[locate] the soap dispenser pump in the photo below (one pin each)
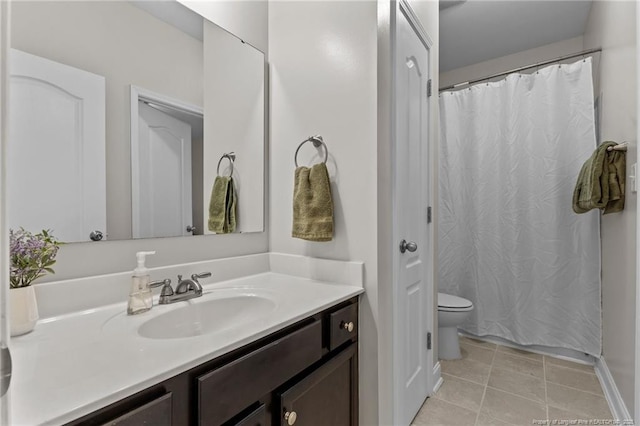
(141, 297)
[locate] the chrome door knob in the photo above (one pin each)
(349, 326)
(191, 228)
(408, 246)
(96, 235)
(290, 417)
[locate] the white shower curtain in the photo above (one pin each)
(508, 239)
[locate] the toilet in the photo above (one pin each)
(452, 311)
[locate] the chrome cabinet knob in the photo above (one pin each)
(191, 228)
(349, 326)
(290, 417)
(408, 246)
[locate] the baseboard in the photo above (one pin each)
(438, 377)
(611, 393)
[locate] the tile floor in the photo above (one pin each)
(498, 385)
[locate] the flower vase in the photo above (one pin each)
(23, 310)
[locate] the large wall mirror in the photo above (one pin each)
(132, 120)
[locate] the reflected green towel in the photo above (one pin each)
(312, 204)
(601, 180)
(222, 207)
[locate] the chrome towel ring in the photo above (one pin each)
(231, 156)
(317, 142)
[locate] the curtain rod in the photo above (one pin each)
(539, 64)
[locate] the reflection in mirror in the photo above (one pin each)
(112, 128)
(164, 135)
(234, 102)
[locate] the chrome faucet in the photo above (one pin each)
(185, 290)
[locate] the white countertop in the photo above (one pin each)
(74, 364)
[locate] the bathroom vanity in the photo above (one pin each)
(263, 349)
(305, 373)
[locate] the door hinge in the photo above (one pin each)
(429, 340)
(429, 218)
(429, 88)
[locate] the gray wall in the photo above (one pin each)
(505, 63)
(612, 26)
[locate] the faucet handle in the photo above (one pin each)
(200, 275)
(165, 282)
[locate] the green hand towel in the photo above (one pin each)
(222, 207)
(312, 204)
(617, 163)
(601, 181)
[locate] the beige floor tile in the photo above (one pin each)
(461, 392)
(511, 408)
(523, 385)
(518, 352)
(438, 412)
(486, 420)
(576, 401)
(476, 342)
(476, 353)
(467, 369)
(518, 364)
(569, 364)
(560, 414)
(574, 378)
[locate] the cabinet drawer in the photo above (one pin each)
(340, 322)
(154, 413)
(257, 417)
(226, 391)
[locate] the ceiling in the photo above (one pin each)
(478, 30)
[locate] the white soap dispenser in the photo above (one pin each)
(140, 298)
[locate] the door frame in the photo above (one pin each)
(4, 229)
(636, 413)
(428, 181)
(137, 94)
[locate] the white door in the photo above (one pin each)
(411, 364)
(161, 175)
(56, 148)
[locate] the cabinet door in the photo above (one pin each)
(328, 396)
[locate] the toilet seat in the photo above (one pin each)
(451, 303)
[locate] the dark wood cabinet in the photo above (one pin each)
(225, 391)
(154, 413)
(324, 397)
(306, 374)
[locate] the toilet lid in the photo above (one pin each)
(453, 302)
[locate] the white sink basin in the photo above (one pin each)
(206, 317)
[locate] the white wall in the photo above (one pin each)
(612, 26)
(322, 59)
(82, 259)
(509, 62)
(246, 19)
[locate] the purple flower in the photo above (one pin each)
(32, 256)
